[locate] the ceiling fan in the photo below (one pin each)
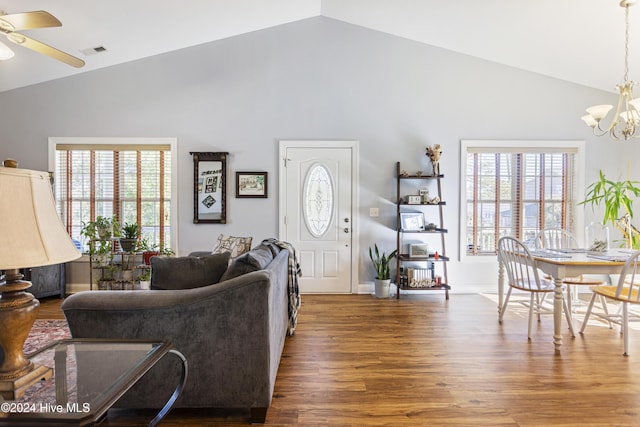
(9, 24)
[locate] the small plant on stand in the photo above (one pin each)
(129, 236)
(148, 249)
(166, 251)
(145, 278)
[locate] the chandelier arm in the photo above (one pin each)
(615, 120)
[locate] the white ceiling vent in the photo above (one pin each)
(94, 50)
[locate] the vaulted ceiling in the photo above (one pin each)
(581, 41)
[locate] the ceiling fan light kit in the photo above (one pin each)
(9, 24)
(625, 122)
(5, 52)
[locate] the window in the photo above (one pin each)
(515, 188)
(129, 179)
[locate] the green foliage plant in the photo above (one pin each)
(145, 276)
(130, 230)
(381, 262)
(616, 196)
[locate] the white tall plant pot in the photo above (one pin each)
(382, 288)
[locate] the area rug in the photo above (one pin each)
(44, 332)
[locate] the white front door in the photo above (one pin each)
(316, 214)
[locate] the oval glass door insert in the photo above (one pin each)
(318, 200)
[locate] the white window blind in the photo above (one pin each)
(516, 191)
(129, 182)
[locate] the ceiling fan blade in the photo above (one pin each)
(28, 21)
(45, 49)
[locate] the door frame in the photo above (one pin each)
(355, 192)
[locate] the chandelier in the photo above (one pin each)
(625, 123)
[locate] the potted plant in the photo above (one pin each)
(616, 196)
(106, 227)
(148, 249)
(145, 278)
(129, 236)
(166, 251)
(381, 265)
(100, 229)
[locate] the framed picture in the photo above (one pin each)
(424, 194)
(418, 250)
(414, 200)
(251, 184)
(209, 187)
(411, 221)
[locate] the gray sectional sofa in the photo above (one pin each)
(232, 332)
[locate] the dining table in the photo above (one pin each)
(561, 264)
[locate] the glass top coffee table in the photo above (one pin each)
(89, 376)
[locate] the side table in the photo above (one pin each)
(89, 376)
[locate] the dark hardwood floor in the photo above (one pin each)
(424, 361)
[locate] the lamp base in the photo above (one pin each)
(15, 389)
(17, 313)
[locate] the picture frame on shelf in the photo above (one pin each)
(424, 195)
(411, 221)
(414, 200)
(418, 250)
(251, 185)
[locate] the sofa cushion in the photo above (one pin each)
(187, 272)
(232, 244)
(256, 259)
(259, 257)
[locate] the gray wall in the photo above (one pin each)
(313, 79)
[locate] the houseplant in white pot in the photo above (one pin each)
(381, 264)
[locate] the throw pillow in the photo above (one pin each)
(256, 259)
(236, 246)
(187, 272)
(238, 267)
(259, 257)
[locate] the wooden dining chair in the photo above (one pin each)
(522, 274)
(558, 238)
(626, 292)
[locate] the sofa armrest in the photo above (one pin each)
(223, 330)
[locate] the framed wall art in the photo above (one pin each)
(251, 184)
(209, 187)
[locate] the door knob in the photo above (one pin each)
(346, 229)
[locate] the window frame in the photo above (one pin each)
(515, 145)
(115, 141)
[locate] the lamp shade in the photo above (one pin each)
(31, 232)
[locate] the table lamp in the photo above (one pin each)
(32, 235)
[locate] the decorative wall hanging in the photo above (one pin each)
(209, 187)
